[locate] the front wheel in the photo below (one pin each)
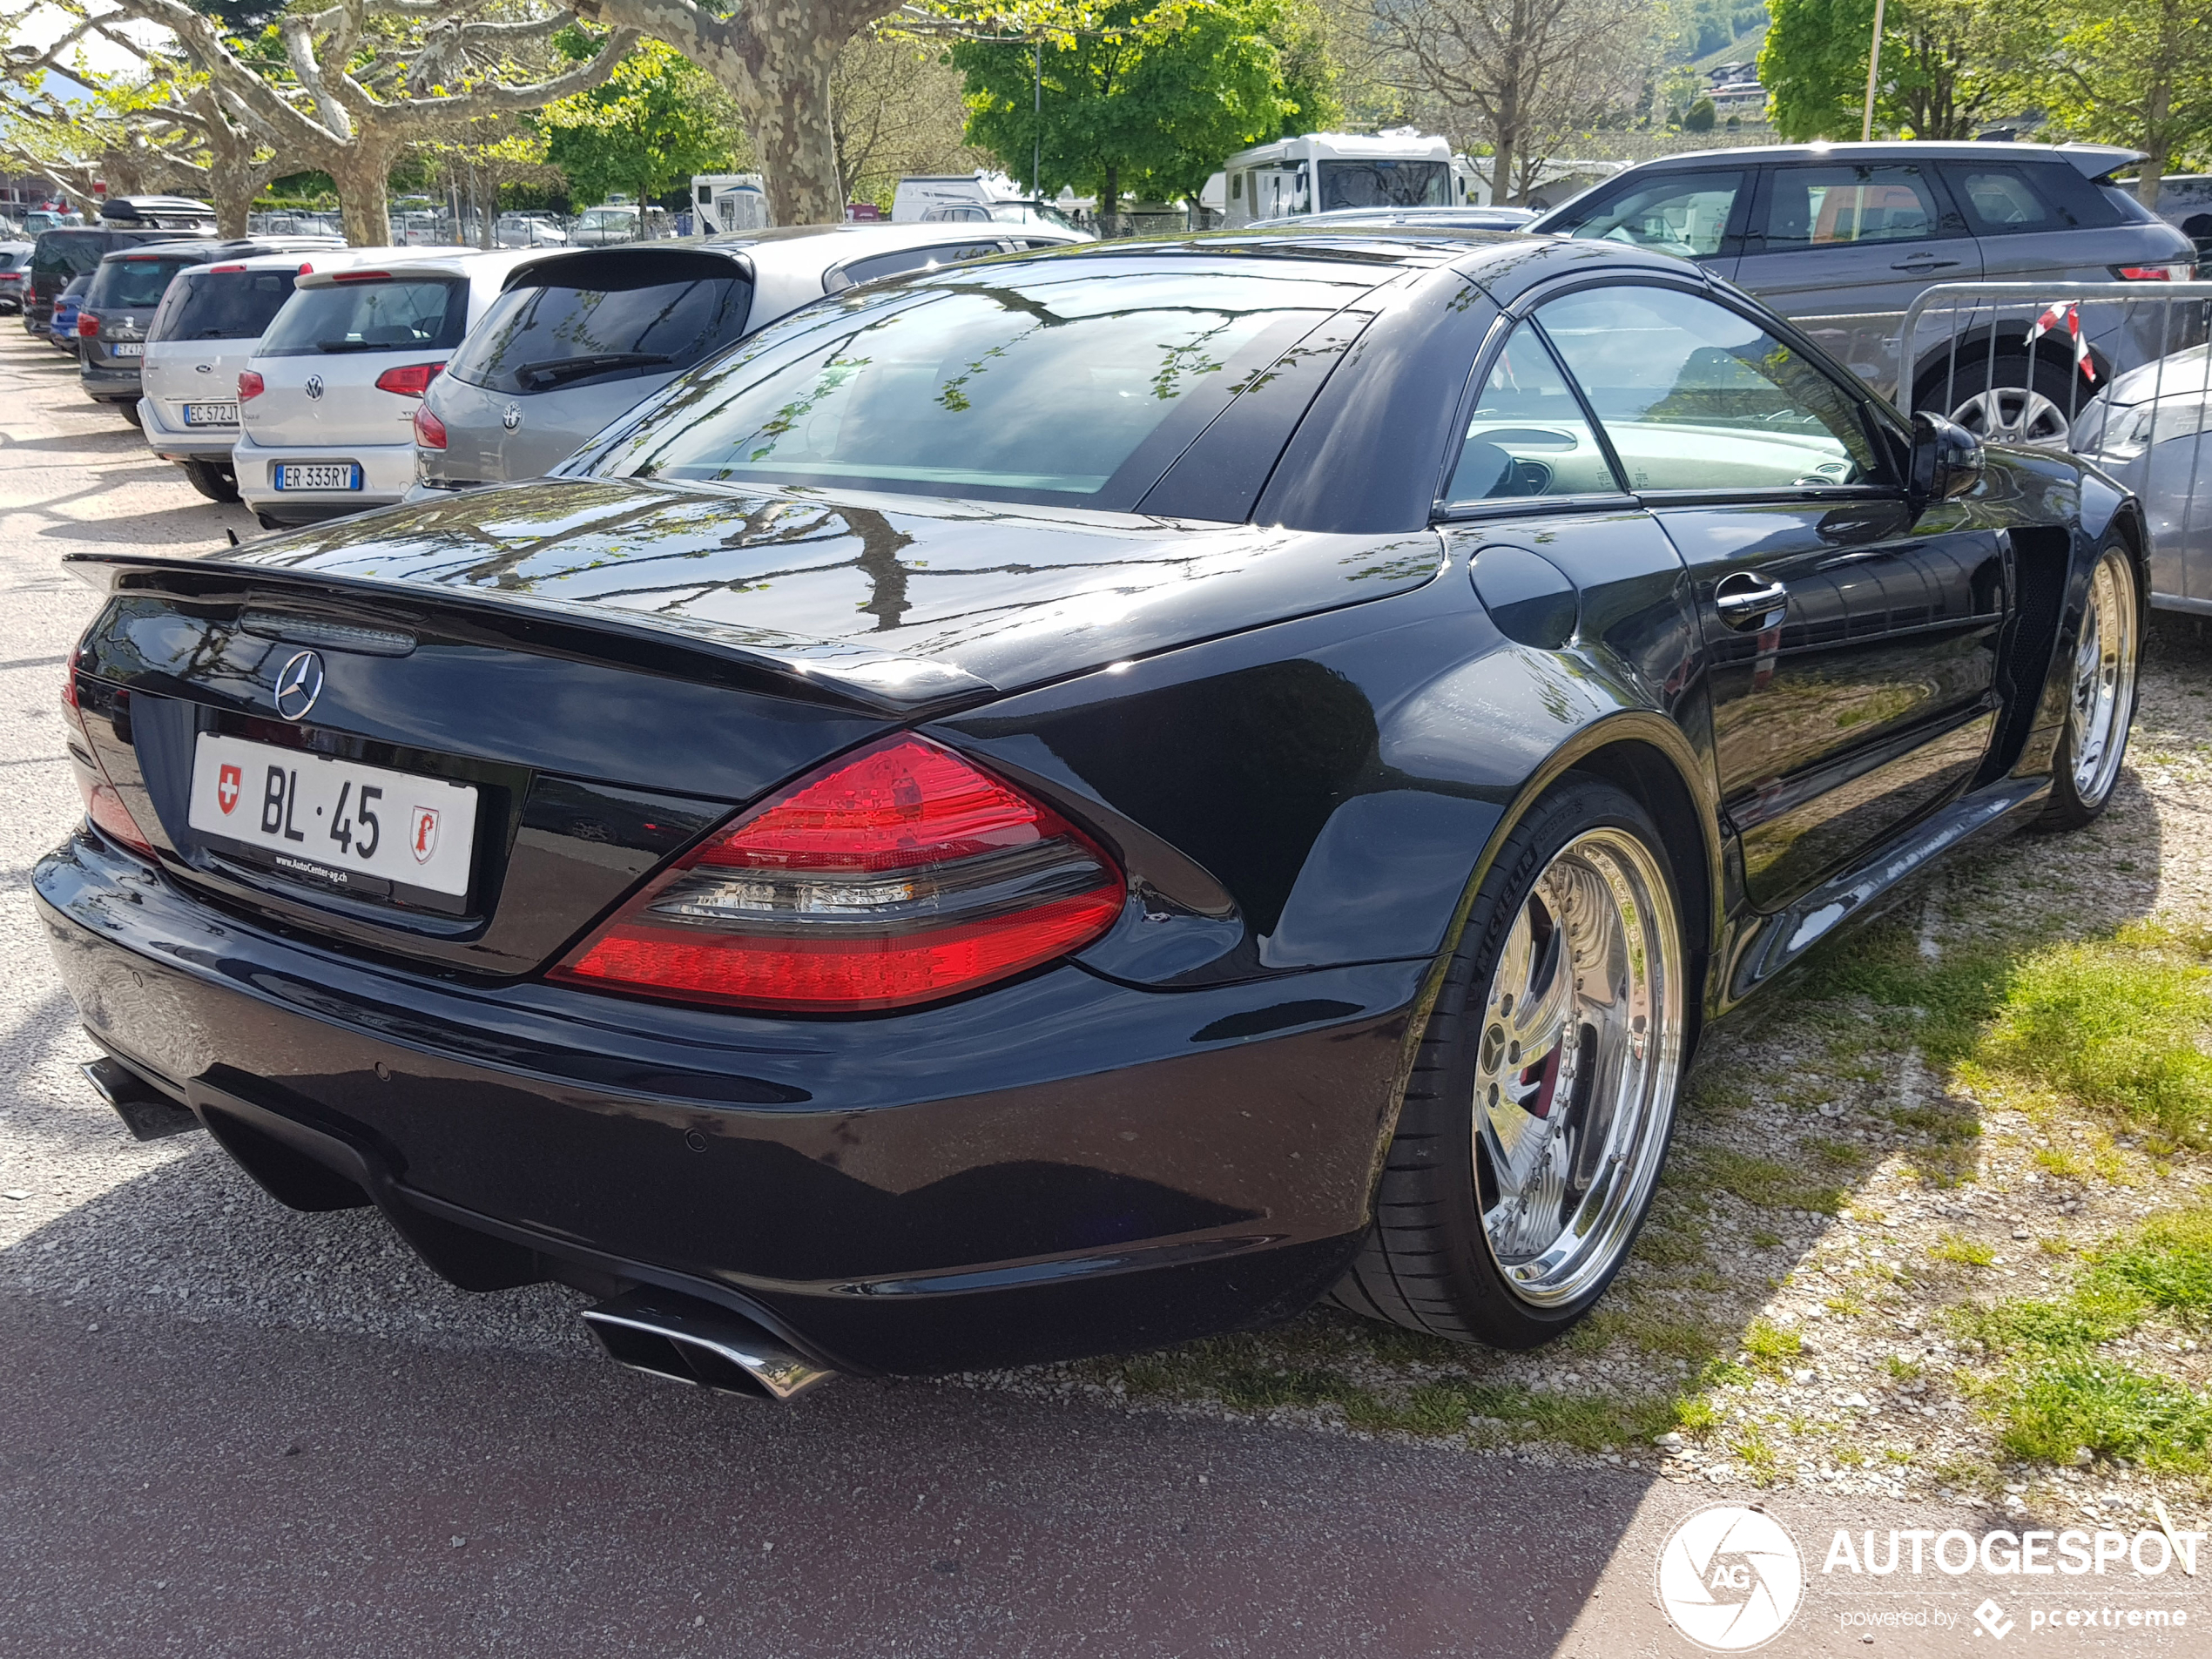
(1537, 1117)
(2008, 399)
(2101, 701)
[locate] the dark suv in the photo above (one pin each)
(1842, 237)
(60, 257)
(118, 307)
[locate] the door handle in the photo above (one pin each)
(1748, 603)
(1920, 263)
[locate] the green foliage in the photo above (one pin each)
(2114, 1409)
(1699, 116)
(1946, 65)
(659, 119)
(1148, 103)
(2137, 72)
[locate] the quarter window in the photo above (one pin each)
(1685, 215)
(1829, 206)
(1529, 435)
(1696, 396)
(2003, 201)
(907, 259)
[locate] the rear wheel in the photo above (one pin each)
(2101, 702)
(1538, 1114)
(129, 411)
(213, 479)
(2006, 401)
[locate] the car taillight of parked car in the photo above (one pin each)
(102, 804)
(430, 431)
(2179, 273)
(88, 328)
(250, 385)
(899, 874)
(410, 380)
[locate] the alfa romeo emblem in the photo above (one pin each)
(298, 685)
(512, 418)
(314, 386)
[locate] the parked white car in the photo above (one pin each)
(327, 404)
(201, 338)
(528, 230)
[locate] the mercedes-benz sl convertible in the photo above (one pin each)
(1077, 801)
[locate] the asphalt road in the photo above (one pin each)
(226, 1429)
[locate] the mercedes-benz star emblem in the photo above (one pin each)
(314, 386)
(512, 418)
(298, 685)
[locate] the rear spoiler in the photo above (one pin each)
(876, 682)
(2098, 162)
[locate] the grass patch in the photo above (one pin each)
(1838, 1154)
(1902, 1370)
(1966, 1252)
(2115, 1411)
(1761, 1181)
(1770, 1347)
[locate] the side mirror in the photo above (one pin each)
(1946, 458)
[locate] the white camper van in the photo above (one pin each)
(729, 201)
(1323, 171)
(919, 194)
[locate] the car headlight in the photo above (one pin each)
(2123, 434)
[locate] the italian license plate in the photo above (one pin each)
(210, 414)
(335, 824)
(125, 348)
(317, 475)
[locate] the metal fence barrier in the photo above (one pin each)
(2120, 373)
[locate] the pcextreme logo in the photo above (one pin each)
(1730, 1579)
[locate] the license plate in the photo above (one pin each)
(335, 824)
(211, 415)
(340, 475)
(125, 348)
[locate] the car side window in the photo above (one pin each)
(907, 259)
(1529, 435)
(1829, 206)
(1696, 396)
(2002, 200)
(1683, 214)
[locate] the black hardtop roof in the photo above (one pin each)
(2092, 160)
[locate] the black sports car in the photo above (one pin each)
(1076, 801)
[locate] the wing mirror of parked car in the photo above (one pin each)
(1946, 458)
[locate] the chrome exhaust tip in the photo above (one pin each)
(690, 1341)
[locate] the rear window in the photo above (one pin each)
(904, 259)
(1075, 381)
(222, 305)
(132, 284)
(413, 315)
(2009, 199)
(73, 254)
(605, 318)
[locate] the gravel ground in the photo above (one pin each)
(95, 1226)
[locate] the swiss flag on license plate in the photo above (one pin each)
(226, 787)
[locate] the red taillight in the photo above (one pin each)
(359, 276)
(2179, 273)
(102, 805)
(430, 431)
(88, 328)
(219, 270)
(411, 379)
(898, 875)
(249, 385)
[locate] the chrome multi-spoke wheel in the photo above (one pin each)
(2013, 415)
(1534, 1123)
(1575, 1070)
(2101, 701)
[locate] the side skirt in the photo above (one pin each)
(1770, 944)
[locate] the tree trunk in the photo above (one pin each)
(2158, 142)
(790, 127)
(1109, 194)
(362, 173)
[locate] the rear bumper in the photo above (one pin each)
(184, 443)
(388, 469)
(1063, 1165)
(108, 384)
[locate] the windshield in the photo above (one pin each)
(126, 285)
(1384, 183)
(1058, 381)
(601, 322)
(222, 305)
(412, 314)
